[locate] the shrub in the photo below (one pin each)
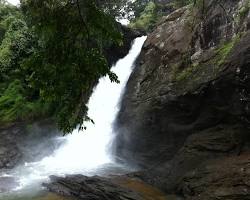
(147, 18)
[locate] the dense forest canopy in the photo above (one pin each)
(51, 55)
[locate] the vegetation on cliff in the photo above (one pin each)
(147, 18)
(148, 12)
(18, 100)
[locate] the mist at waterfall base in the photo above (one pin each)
(86, 152)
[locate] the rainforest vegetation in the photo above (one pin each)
(51, 54)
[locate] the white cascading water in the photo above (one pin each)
(85, 151)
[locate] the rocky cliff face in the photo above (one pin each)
(187, 101)
(25, 143)
(115, 52)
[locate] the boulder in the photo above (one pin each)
(89, 188)
(120, 187)
(223, 179)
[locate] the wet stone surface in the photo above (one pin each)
(100, 188)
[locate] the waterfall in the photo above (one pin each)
(85, 151)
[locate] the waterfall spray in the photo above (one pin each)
(85, 151)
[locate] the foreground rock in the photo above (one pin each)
(95, 188)
(227, 178)
(125, 187)
(187, 100)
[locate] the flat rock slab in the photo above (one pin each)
(90, 188)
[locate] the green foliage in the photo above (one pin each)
(186, 73)
(139, 6)
(17, 100)
(148, 12)
(15, 107)
(18, 43)
(243, 12)
(51, 57)
(117, 8)
(6, 11)
(188, 69)
(147, 18)
(69, 59)
(224, 50)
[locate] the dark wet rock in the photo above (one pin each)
(115, 52)
(21, 142)
(114, 187)
(10, 155)
(187, 100)
(90, 188)
(217, 142)
(223, 179)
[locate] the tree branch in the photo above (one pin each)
(83, 21)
